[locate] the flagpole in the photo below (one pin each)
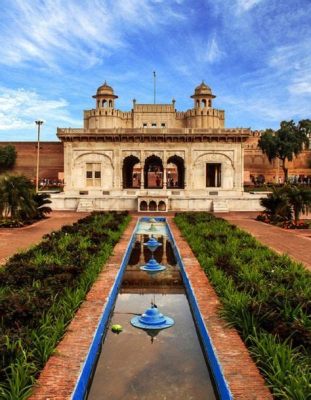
(154, 87)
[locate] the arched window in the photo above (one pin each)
(131, 171)
(175, 172)
(203, 103)
(153, 172)
(104, 103)
(198, 103)
(210, 103)
(110, 104)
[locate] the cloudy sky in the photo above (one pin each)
(255, 55)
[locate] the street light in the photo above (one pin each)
(38, 123)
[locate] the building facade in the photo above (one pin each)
(154, 158)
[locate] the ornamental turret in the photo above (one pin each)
(105, 96)
(203, 96)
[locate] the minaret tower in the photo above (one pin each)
(202, 96)
(105, 97)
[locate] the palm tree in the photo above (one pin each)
(276, 205)
(299, 199)
(41, 200)
(16, 197)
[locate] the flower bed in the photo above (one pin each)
(41, 290)
(266, 297)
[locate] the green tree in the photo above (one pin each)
(276, 205)
(17, 197)
(285, 143)
(7, 157)
(299, 199)
(42, 200)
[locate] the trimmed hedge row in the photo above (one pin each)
(265, 296)
(40, 291)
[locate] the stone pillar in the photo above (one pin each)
(164, 176)
(142, 175)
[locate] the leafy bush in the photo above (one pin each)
(7, 157)
(40, 291)
(265, 296)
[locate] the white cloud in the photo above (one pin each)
(246, 5)
(82, 32)
(20, 108)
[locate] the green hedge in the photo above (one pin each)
(265, 296)
(40, 291)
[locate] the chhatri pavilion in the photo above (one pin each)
(154, 158)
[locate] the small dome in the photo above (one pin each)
(105, 90)
(203, 90)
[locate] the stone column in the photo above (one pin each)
(142, 175)
(164, 176)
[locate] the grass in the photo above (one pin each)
(42, 289)
(266, 297)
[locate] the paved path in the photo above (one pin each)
(17, 239)
(295, 243)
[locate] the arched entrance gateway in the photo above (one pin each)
(153, 172)
(175, 173)
(131, 172)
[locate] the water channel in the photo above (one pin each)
(142, 364)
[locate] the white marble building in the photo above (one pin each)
(154, 158)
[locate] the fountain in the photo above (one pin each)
(152, 265)
(152, 319)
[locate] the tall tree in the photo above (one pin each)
(7, 157)
(285, 143)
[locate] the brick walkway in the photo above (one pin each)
(295, 243)
(17, 239)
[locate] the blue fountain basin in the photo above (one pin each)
(152, 319)
(152, 265)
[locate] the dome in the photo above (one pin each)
(203, 90)
(105, 90)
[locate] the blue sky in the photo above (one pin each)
(254, 54)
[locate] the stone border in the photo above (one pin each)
(59, 377)
(240, 371)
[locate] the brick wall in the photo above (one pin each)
(51, 159)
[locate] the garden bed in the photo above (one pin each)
(266, 297)
(41, 290)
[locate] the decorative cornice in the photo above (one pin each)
(164, 135)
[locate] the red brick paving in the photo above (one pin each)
(295, 243)
(13, 240)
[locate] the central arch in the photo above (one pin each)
(131, 175)
(176, 176)
(153, 172)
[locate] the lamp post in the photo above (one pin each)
(38, 123)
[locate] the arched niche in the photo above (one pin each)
(200, 170)
(153, 172)
(175, 177)
(103, 164)
(131, 172)
(152, 206)
(162, 206)
(143, 206)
